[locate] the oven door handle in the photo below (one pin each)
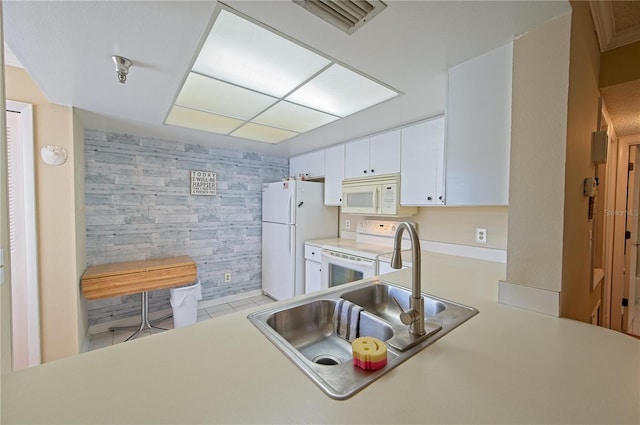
(365, 262)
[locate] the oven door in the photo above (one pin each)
(339, 268)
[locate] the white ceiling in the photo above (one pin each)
(66, 47)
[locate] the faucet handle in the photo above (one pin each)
(406, 317)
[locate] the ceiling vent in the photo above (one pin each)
(347, 15)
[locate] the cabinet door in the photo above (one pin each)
(313, 274)
(309, 165)
(422, 179)
(356, 159)
(384, 153)
(479, 129)
(334, 174)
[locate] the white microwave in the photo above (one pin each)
(379, 195)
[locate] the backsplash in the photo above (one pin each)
(138, 206)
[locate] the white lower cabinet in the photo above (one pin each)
(312, 269)
(422, 163)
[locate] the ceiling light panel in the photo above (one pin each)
(248, 55)
(218, 97)
(340, 91)
(263, 133)
(293, 117)
(204, 121)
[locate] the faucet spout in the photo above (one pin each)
(415, 316)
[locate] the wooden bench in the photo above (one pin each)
(132, 277)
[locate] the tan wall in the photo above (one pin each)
(56, 220)
(582, 120)
(538, 155)
(456, 225)
(616, 68)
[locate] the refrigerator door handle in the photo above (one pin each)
(289, 208)
(291, 236)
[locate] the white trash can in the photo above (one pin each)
(184, 302)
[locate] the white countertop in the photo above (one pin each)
(505, 365)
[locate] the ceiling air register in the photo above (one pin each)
(345, 15)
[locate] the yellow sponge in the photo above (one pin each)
(369, 353)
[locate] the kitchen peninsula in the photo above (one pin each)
(505, 365)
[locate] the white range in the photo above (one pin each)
(346, 260)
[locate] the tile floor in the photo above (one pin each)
(108, 338)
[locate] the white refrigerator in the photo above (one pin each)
(292, 212)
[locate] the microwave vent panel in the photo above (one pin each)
(347, 15)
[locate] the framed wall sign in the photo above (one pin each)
(203, 183)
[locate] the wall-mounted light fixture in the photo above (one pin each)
(122, 67)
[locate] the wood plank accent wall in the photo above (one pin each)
(138, 207)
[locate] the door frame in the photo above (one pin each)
(618, 280)
(26, 348)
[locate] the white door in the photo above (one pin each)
(25, 305)
(277, 202)
(277, 260)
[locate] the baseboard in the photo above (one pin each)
(155, 315)
(529, 298)
(476, 252)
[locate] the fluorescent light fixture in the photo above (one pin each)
(263, 133)
(341, 92)
(199, 120)
(210, 95)
(250, 56)
(293, 117)
(251, 82)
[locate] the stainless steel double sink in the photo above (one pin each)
(303, 330)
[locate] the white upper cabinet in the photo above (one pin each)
(376, 155)
(356, 155)
(334, 174)
(309, 165)
(479, 129)
(422, 179)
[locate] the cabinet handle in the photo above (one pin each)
(372, 170)
(440, 197)
(365, 171)
(429, 198)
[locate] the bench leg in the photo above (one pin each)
(144, 323)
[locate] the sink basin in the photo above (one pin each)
(309, 329)
(378, 299)
(303, 330)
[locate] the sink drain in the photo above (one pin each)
(327, 360)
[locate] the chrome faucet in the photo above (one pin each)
(415, 316)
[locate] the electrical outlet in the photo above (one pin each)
(481, 235)
(227, 277)
(347, 224)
